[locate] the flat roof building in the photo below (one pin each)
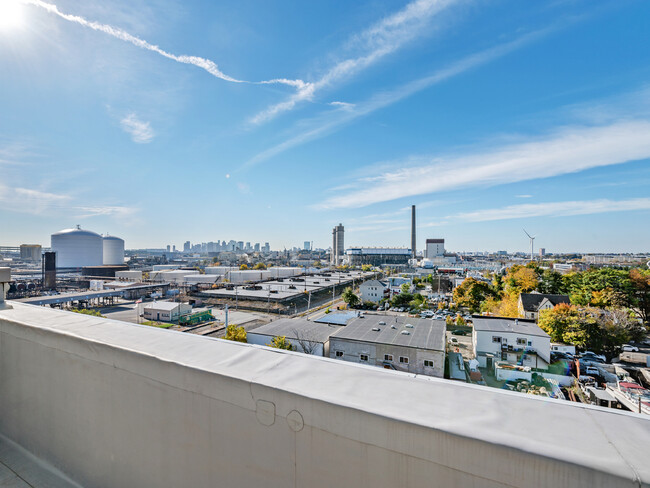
(393, 342)
(305, 335)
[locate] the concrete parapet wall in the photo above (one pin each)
(119, 405)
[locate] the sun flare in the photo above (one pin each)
(11, 14)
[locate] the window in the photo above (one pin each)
(521, 342)
(363, 357)
(388, 357)
(339, 354)
(403, 360)
(496, 339)
(428, 363)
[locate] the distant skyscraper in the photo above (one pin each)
(169, 248)
(266, 248)
(187, 246)
(257, 247)
(248, 246)
(542, 252)
(174, 248)
(338, 244)
(307, 246)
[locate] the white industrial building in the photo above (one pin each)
(113, 250)
(393, 342)
(76, 248)
(166, 311)
(372, 291)
(517, 341)
(434, 248)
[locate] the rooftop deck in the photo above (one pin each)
(116, 404)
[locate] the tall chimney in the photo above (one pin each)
(413, 230)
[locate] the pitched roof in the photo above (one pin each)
(532, 301)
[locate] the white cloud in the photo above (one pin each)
(376, 42)
(27, 200)
(203, 63)
(341, 117)
(554, 209)
(342, 105)
(141, 132)
(523, 196)
(119, 212)
(568, 150)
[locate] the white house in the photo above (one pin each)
(166, 311)
(372, 291)
(531, 304)
(517, 341)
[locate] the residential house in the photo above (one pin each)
(373, 291)
(517, 341)
(531, 304)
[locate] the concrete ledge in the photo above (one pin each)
(116, 404)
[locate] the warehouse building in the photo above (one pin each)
(166, 311)
(377, 256)
(393, 342)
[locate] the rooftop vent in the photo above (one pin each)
(405, 332)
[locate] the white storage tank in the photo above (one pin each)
(76, 248)
(113, 250)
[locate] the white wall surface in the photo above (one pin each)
(113, 404)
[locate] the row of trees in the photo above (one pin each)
(601, 287)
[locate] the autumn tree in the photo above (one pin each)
(471, 293)
(243, 267)
(639, 299)
(281, 342)
(259, 266)
(234, 333)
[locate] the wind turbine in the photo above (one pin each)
(532, 241)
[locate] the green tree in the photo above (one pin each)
(366, 267)
(550, 282)
(639, 299)
(281, 342)
(460, 321)
(401, 299)
(234, 333)
(471, 293)
(349, 297)
(406, 287)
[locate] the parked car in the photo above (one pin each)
(453, 341)
(630, 348)
(589, 355)
(592, 371)
(459, 332)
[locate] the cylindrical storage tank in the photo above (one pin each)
(76, 248)
(113, 250)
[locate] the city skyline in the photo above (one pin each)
(175, 121)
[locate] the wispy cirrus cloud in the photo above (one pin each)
(141, 132)
(371, 45)
(203, 63)
(566, 150)
(554, 209)
(323, 126)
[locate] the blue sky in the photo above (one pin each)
(164, 121)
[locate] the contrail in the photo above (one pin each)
(205, 64)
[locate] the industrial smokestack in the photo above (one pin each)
(413, 230)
